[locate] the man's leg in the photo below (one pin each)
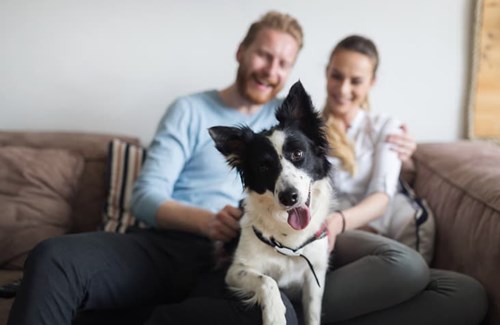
(211, 302)
(101, 270)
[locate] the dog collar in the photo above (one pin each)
(288, 251)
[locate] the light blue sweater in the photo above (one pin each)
(182, 163)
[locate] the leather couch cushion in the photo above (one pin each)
(37, 187)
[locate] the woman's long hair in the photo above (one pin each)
(341, 147)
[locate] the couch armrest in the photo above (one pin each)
(461, 183)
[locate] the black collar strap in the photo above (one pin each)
(282, 249)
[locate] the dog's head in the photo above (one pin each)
(280, 165)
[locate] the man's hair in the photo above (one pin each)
(277, 21)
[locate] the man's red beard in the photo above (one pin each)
(242, 80)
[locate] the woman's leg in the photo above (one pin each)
(101, 270)
(376, 280)
(370, 273)
(449, 298)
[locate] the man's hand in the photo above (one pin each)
(404, 144)
(224, 225)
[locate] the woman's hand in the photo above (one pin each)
(404, 144)
(335, 224)
(224, 225)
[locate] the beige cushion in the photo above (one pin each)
(37, 187)
(413, 221)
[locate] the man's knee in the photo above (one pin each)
(50, 253)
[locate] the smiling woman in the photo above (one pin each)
(484, 97)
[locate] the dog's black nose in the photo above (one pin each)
(288, 197)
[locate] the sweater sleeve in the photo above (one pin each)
(386, 163)
(164, 162)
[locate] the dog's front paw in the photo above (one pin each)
(273, 312)
(273, 317)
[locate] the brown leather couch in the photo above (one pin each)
(460, 180)
(86, 202)
(461, 183)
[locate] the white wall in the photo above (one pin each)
(112, 66)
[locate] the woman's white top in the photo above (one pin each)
(378, 166)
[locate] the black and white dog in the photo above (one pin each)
(283, 241)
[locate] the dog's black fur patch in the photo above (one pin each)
(253, 155)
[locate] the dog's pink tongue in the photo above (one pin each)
(299, 217)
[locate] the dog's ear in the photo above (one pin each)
(298, 111)
(231, 142)
(296, 107)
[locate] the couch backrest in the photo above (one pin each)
(88, 204)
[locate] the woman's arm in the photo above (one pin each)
(403, 143)
(385, 168)
(370, 208)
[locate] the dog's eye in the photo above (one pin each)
(297, 155)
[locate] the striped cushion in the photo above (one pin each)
(124, 164)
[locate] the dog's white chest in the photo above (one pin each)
(287, 266)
